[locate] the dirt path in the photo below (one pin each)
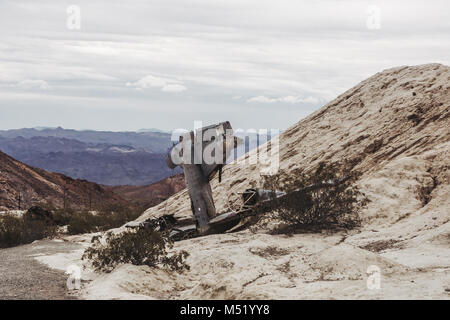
(22, 277)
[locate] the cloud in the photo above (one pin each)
(148, 82)
(173, 88)
(31, 84)
(288, 53)
(164, 84)
(262, 99)
(285, 99)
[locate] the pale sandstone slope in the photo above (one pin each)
(392, 127)
(371, 125)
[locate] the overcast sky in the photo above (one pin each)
(163, 64)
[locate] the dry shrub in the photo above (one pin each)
(15, 230)
(327, 207)
(139, 247)
(84, 221)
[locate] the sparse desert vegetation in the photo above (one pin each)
(138, 247)
(39, 223)
(109, 217)
(322, 206)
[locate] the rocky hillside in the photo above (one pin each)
(394, 129)
(32, 186)
(153, 194)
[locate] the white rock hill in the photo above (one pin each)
(392, 127)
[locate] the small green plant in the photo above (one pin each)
(140, 247)
(317, 208)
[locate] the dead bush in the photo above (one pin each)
(85, 221)
(317, 208)
(15, 231)
(140, 247)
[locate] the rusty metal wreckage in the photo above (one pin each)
(198, 173)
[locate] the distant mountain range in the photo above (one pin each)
(104, 157)
(109, 158)
(151, 140)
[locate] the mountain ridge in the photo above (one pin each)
(103, 163)
(23, 186)
(157, 142)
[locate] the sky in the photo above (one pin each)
(128, 65)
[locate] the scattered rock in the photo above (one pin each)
(374, 146)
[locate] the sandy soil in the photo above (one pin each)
(23, 277)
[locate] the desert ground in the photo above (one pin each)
(394, 129)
